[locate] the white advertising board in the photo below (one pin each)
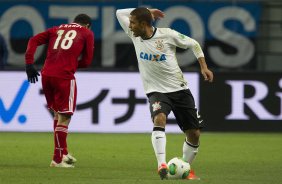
(107, 102)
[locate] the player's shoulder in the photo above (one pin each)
(165, 30)
(52, 29)
(166, 33)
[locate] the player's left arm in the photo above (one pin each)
(186, 42)
(88, 51)
(207, 74)
(197, 50)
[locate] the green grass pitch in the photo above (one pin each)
(224, 158)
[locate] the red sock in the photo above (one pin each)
(55, 124)
(60, 140)
(65, 149)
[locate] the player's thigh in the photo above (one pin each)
(185, 111)
(48, 90)
(65, 95)
(188, 119)
(159, 103)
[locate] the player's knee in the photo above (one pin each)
(193, 135)
(64, 119)
(160, 120)
(56, 115)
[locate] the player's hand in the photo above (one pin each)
(207, 74)
(31, 73)
(157, 14)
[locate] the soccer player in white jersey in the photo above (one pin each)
(163, 80)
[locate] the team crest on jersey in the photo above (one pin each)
(159, 44)
(156, 106)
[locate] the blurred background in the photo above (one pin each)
(241, 39)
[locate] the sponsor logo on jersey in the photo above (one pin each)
(152, 57)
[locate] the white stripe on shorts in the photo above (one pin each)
(71, 97)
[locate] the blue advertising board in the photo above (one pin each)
(226, 31)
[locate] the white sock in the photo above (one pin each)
(159, 144)
(189, 151)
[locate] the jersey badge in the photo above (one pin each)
(156, 106)
(159, 44)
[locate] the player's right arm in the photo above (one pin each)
(123, 18)
(156, 13)
(33, 43)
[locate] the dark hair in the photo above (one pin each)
(142, 14)
(82, 19)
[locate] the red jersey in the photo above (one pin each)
(66, 44)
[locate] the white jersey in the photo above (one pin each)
(156, 56)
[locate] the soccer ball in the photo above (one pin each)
(178, 169)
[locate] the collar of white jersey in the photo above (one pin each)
(154, 32)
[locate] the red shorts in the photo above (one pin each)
(60, 94)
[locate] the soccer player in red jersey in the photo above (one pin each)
(70, 46)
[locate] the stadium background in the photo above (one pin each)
(243, 107)
(241, 40)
